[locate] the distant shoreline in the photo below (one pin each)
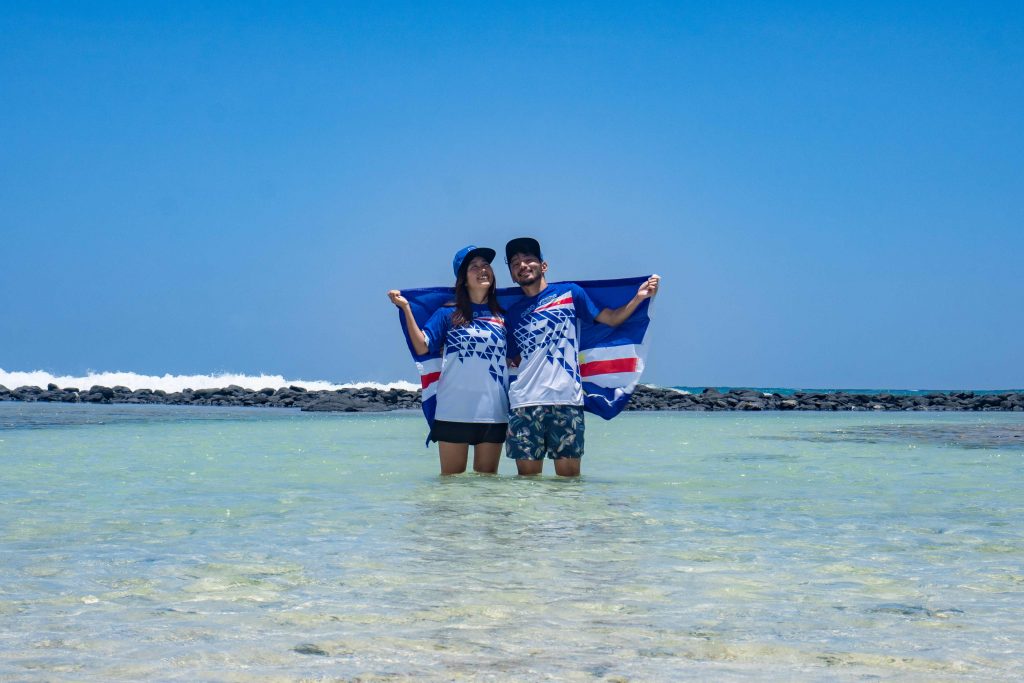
(645, 398)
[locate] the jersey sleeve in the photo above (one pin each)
(511, 348)
(436, 328)
(586, 309)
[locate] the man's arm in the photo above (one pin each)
(613, 317)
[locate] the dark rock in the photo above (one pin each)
(344, 404)
(27, 393)
(747, 395)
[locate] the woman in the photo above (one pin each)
(472, 398)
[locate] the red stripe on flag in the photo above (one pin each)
(428, 379)
(604, 367)
(564, 300)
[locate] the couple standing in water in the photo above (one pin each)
(540, 414)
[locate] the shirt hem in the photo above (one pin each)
(545, 403)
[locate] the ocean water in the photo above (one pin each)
(219, 544)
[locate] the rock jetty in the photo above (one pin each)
(653, 398)
(644, 398)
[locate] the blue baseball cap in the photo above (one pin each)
(466, 254)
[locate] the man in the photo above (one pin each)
(546, 397)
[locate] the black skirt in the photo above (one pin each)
(469, 432)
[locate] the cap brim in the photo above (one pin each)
(522, 245)
(486, 253)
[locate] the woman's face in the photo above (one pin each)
(479, 275)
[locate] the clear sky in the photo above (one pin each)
(833, 192)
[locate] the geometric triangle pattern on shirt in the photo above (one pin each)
(483, 338)
(552, 332)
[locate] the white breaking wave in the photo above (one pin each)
(675, 389)
(172, 383)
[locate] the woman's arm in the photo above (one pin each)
(416, 336)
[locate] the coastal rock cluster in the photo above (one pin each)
(341, 400)
(644, 398)
(653, 398)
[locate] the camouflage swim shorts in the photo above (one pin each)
(538, 431)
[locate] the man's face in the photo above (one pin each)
(526, 269)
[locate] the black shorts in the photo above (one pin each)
(469, 432)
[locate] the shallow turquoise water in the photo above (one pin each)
(178, 543)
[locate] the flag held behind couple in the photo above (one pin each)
(611, 358)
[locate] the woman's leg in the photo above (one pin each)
(453, 457)
(486, 457)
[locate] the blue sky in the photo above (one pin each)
(833, 192)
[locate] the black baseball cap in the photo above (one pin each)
(522, 245)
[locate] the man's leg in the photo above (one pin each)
(528, 467)
(453, 457)
(525, 440)
(565, 435)
(567, 467)
(486, 457)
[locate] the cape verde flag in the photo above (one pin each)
(611, 359)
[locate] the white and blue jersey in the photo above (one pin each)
(474, 376)
(544, 330)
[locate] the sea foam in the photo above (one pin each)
(171, 383)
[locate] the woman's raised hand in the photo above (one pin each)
(397, 298)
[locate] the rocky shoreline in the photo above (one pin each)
(644, 398)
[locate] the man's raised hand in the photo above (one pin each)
(649, 288)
